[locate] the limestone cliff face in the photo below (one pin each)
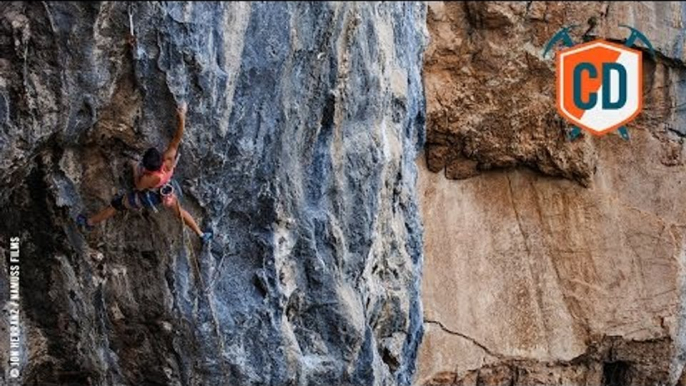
(548, 261)
(545, 261)
(303, 128)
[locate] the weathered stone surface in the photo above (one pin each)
(490, 91)
(538, 280)
(304, 122)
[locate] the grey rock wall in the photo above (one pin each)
(303, 127)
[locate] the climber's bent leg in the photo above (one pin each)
(186, 217)
(190, 222)
(119, 203)
(101, 216)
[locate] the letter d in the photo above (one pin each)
(607, 86)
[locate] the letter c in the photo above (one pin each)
(593, 96)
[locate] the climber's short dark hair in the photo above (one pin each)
(152, 159)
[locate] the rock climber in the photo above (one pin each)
(153, 185)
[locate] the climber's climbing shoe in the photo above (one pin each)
(207, 236)
(82, 221)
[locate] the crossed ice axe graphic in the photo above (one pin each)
(566, 40)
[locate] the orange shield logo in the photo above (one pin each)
(599, 85)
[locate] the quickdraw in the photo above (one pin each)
(167, 194)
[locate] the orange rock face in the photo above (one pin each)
(549, 261)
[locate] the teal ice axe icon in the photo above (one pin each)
(629, 42)
(560, 36)
(563, 36)
(637, 35)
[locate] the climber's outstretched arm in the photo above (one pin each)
(170, 153)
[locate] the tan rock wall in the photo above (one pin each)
(549, 261)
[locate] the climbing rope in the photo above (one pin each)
(199, 275)
(186, 242)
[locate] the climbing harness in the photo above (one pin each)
(149, 201)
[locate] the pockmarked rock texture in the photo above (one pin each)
(491, 93)
(303, 128)
(548, 261)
